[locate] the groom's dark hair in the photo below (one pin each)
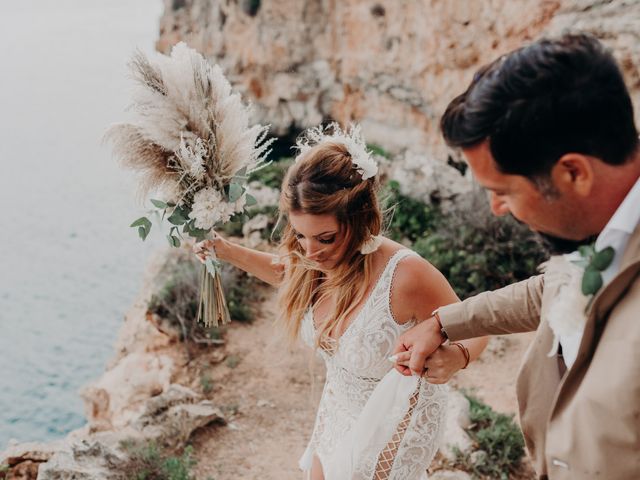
(544, 100)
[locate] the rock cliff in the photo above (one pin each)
(391, 65)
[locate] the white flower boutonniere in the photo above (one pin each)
(576, 278)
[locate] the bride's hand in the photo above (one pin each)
(441, 365)
(206, 248)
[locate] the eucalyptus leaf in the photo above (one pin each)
(591, 281)
(251, 200)
(142, 222)
(173, 241)
(241, 175)
(602, 259)
(143, 232)
(235, 192)
(159, 203)
(197, 233)
(211, 266)
(179, 216)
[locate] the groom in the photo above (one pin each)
(548, 130)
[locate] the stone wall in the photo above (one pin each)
(391, 65)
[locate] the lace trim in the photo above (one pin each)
(393, 277)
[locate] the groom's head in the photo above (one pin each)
(549, 131)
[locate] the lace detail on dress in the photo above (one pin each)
(396, 434)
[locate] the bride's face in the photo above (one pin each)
(320, 237)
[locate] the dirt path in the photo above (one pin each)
(268, 397)
(270, 394)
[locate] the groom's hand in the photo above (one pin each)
(422, 340)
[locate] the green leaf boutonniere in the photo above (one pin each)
(594, 263)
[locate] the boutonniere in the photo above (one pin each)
(575, 279)
(593, 263)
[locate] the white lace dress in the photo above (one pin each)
(372, 422)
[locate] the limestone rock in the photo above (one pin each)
(90, 458)
(25, 459)
(119, 395)
(170, 419)
(392, 66)
(423, 177)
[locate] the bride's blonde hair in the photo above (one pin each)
(324, 181)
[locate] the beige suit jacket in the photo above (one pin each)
(583, 423)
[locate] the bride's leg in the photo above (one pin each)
(316, 469)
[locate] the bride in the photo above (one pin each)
(350, 293)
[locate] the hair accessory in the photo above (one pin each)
(351, 138)
(371, 244)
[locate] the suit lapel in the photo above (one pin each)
(604, 301)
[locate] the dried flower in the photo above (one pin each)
(351, 139)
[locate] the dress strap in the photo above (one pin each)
(390, 271)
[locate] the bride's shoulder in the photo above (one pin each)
(417, 289)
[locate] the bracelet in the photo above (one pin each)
(443, 335)
(465, 352)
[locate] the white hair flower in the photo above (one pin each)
(350, 138)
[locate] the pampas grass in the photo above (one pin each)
(190, 141)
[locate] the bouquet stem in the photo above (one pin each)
(212, 310)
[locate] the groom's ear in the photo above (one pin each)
(574, 173)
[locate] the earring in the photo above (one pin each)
(371, 244)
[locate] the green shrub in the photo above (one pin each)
(498, 436)
(206, 383)
(233, 228)
(378, 150)
(477, 251)
(232, 361)
(147, 462)
(273, 174)
(407, 218)
(177, 297)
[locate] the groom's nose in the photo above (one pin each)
(498, 206)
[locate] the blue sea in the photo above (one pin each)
(70, 265)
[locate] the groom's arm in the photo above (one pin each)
(512, 309)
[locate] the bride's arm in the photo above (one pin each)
(259, 264)
(419, 289)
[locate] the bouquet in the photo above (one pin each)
(191, 141)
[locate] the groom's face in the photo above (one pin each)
(551, 215)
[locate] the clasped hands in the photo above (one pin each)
(420, 351)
